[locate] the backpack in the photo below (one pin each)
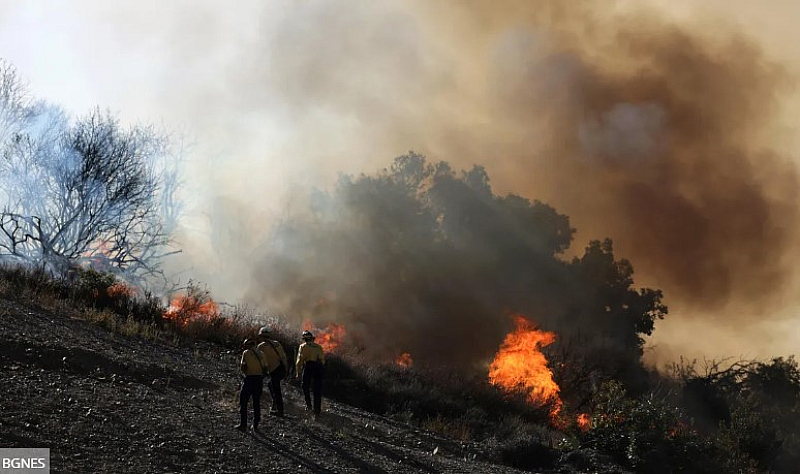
(280, 372)
(261, 361)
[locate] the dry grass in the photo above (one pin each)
(469, 409)
(128, 326)
(455, 428)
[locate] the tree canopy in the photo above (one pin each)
(432, 260)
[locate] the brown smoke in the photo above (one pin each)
(658, 134)
(649, 132)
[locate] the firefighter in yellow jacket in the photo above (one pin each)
(252, 366)
(311, 364)
(276, 367)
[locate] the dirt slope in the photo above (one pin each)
(104, 402)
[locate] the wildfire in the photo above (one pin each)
(121, 290)
(404, 360)
(584, 422)
(519, 365)
(329, 338)
(185, 309)
(99, 256)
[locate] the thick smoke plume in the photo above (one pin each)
(662, 134)
(658, 132)
(642, 130)
(652, 133)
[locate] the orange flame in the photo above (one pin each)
(121, 290)
(584, 422)
(98, 256)
(404, 360)
(519, 365)
(186, 309)
(329, 338)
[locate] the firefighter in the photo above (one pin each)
(276, 366)
(311, 363)
(252, 366)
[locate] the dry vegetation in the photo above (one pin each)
(741, 417)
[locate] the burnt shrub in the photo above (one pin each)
(648, 434)
(84, 288)
(753, 408)
(751, 434)
(104, 291)
(765, 423)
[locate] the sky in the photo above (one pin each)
(274, 97)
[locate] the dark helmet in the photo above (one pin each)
(307, 336)
(264, 331)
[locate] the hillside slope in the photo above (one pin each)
(104, 402)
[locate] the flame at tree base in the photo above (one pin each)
(520, 365)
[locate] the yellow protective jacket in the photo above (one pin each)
(273, 355)
(309, 352)
(252, 362)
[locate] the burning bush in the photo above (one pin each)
(520, 366)
(405, 360)
(121, 290)
(190, 308)
(329, 338)
(584, 422)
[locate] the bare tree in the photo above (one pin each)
(86, 193)
(16, 107)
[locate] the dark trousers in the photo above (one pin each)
(252, 386)
(312, 378)
(274, 386)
